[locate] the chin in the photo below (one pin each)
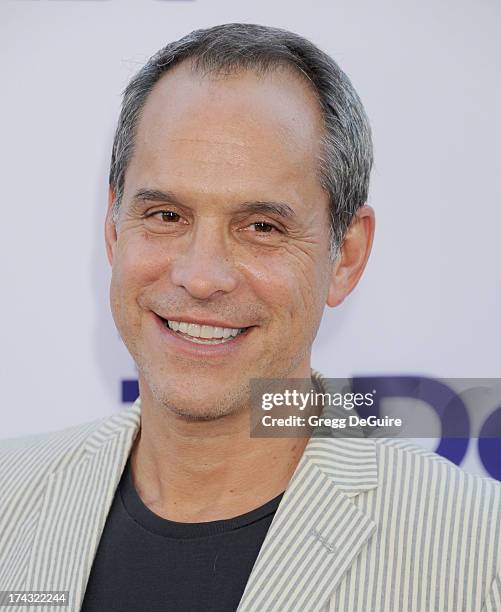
(200, 402)
(208, 410)
(191, 414)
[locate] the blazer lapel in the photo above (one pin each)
(317, 531)
(75, 506)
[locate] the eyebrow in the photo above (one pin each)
(280, 209)
(156, 196)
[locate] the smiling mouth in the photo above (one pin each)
(203, 334)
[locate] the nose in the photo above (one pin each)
(204, 266)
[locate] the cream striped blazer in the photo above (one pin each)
(365, 524)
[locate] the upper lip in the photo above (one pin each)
(202, 321)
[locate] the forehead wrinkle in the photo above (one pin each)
(210, 141)
(245, 152)
(239, 155)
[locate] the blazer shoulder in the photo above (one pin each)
(31, 442)
(49, 451)
(424, 461)
(439, 502)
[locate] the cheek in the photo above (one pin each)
(139, 262)
(292, 287)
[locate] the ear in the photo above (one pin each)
(110, 230)
(353, 255)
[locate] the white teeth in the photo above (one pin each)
(193, 330)
(205, 332)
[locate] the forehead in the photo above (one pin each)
(230, 129)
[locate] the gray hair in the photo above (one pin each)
(346, 147)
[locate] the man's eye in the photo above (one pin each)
(167, 215)
(164, 222)
(262, 226)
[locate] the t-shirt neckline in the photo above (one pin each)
(146, 518)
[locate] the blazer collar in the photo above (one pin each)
(316, 533)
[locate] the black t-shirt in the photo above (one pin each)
(145, 562)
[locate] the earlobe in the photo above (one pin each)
(110, 230)
(335, 296)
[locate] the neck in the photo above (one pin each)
(208, 470)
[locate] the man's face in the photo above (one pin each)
(223, 223)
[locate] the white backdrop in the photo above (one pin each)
(429, 302)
